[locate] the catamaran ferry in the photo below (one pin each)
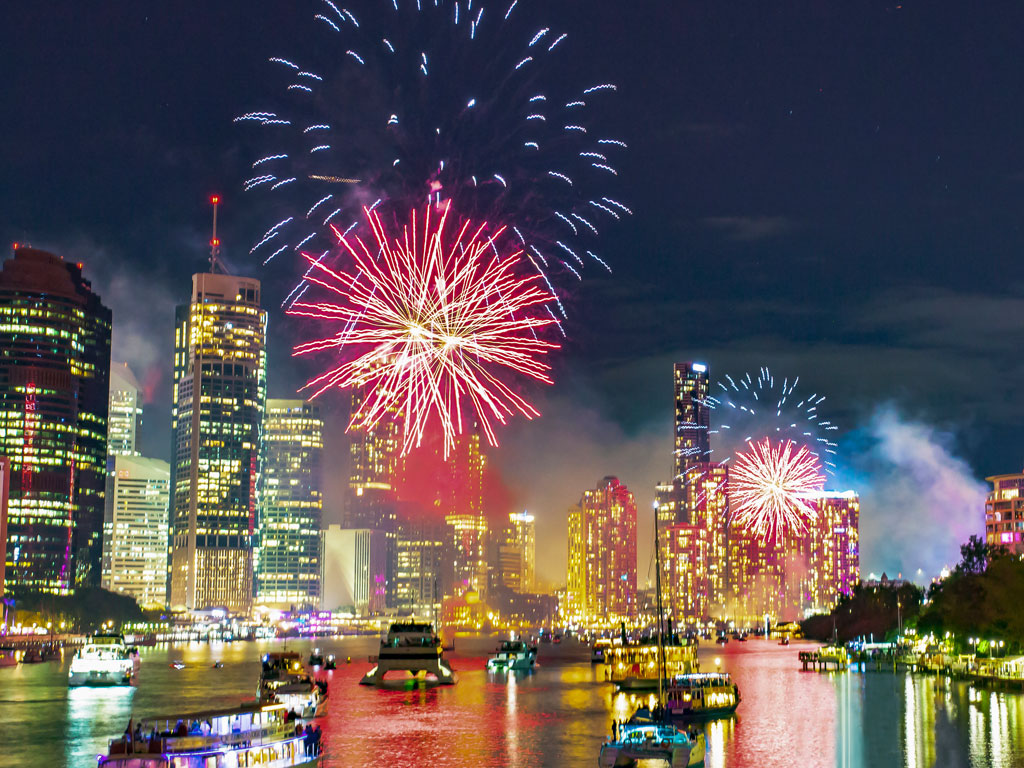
(104, 660)
(411, 647)
(247, 735)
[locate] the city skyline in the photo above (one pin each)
(798, 280)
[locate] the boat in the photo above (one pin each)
(8, 657)
(513, 655)
(784, 641)
(722, 640)
(284, 680)
(633, 666)
(32, 656)
(598, 649)
(246, 735)
(331, 662)
(178, 664)
(316, 659)
(412, 647)
(652, 741)
(103, 660)
(702, 694)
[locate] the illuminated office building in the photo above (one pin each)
(692, 415)
(5, 484)
(135, 529)
(54, 368)
(420, 555)
(514, 553)
(125, 411)
(467, 554)
(602, 553)
(1004, 513)
(288, 567)
(219, 400)
(353, 570)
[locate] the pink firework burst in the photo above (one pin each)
(435, 318)
(771, 486)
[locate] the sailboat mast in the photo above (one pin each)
(661, 620)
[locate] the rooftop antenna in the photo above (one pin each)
(214, 240)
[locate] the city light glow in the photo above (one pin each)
(434, 318)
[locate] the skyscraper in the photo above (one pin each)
(125, 411)
(1004, 513)
(516, 553)
(353, 567)
(602, 552)
(692, 415)
(219, 400)
(135, 531)
(54, 368)
(288, 571)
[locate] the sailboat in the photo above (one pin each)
(651, 735)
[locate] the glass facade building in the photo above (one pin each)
(54, 368)
(135, 529)
(125, 411)
(291, 504)
(218, 408)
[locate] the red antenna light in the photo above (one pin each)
(214, 240)
(16, 246)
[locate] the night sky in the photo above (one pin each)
(830, 189)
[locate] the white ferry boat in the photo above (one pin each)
(284, 680)
(247, 735)
(512, 655)
(411, 647)
(104, 660)
(697, 695)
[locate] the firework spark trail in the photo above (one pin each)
(493, 137)
(750, 407)
(435, 322)
(770, 488)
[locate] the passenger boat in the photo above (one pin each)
(512, 655)
(633, 666)
(598, 648)
(708, 694)
(103, 660)
(285, 681)
(247, 735)
(411, 647)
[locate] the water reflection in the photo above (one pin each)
(93, 716)
(555, 716)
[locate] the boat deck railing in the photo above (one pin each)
(160, 743)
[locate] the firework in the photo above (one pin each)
(433, 322)
(749, 408)
(771, 486)
(414, 101)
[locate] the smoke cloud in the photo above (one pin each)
(919, 500)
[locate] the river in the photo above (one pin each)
(554, 716)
